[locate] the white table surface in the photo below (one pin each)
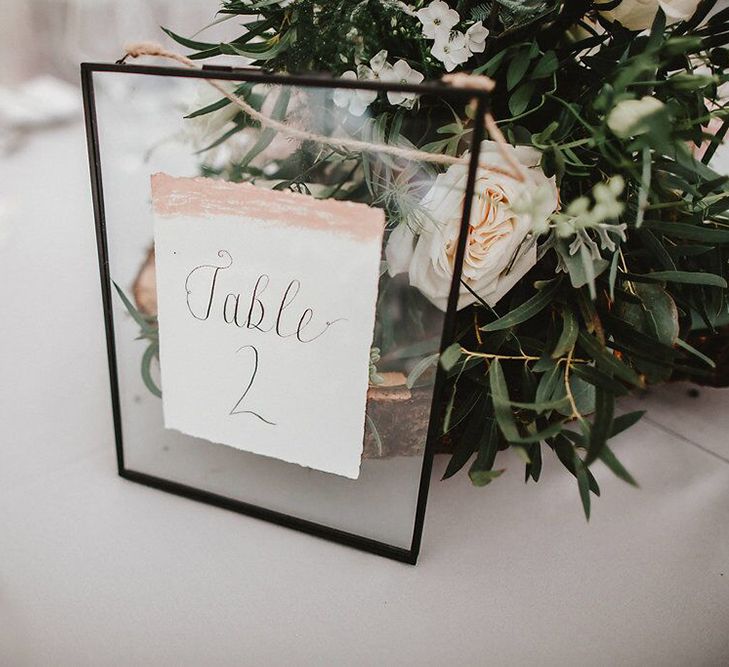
(95, 570)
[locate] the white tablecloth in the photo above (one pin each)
(95, 570)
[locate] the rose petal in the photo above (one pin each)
(399, 249)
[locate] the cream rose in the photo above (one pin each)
(499, 251)
(639, 14)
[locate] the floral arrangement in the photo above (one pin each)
(600, 271)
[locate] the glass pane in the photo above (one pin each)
(153, 123)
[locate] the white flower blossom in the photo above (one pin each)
(451, 51)
(379, 67)
(629, 118)
(476, 37)
(452, 47)
(437, 19)
(401, 72)
(356, 101)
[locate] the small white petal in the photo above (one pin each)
(476, 36)
(378, 62)
(399, 249)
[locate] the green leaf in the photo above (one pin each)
(483, 477)
(550, 382)
(242, 90)
(612, 274)
(583, 484)
(149, 355)
(517, 69)
(207, 53)
(608, 361)
(417, 349)
(375, 433)
(189, 43)
(651, 328)
(519, 100)
(502, 405)
(267, 136)
(238, 126)
(561, 404)
(491, 66)
(526, 310)
(658, 27)
(682, 230)
(505, 416)
(215, 106)
(610, 460)
(642, 340)
(259, 51)
(625, 421)
(568, 338)
(420, 368)
(450, 356)
(582, 267)
(481, 471)
(692, 350)
(522, 453)
(657, 248)
(140, 319)
(533, 469)
(449, 409)
(681, 277)
(583, 394)
(546, 66)
(601, 425)
(598, 379)
(566, 454)
(470, 441)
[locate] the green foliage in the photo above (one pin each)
(149, 332)
(646, 262)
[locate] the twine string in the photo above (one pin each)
(460, 79)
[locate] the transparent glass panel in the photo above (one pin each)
(153, 123)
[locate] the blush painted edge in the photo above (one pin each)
(209, 197)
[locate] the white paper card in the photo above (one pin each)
(266, 306)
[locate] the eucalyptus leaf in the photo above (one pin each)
(610, 460)
(503, 411)
(681, 277)
(450, 356)
(608, 361)
(268, 134)
(601, 425)
(568, 338)
(150, 354)
(526, 310)
(421, 367)
(682, 230)
(483, 477)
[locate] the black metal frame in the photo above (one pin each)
(448, 335)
